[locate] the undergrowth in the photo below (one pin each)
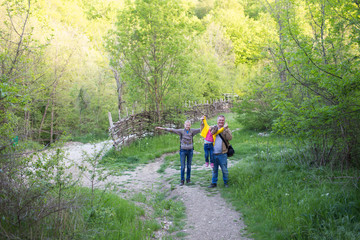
(284, 197)
(112, 218)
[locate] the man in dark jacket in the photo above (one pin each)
(186, 148)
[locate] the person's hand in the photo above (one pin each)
(226, 125)
(160, 128)
(202, 118)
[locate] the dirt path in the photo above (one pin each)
(208, 215)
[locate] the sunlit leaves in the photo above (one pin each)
(151, 39)
(248, 36)
(319, 102)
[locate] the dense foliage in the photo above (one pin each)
(150, 43)
(316, 91)
(58, 77)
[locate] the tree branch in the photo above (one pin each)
(21, 37)
(307, 55)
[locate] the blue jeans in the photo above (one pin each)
(209, 152)
(185, 155)
(220, 160)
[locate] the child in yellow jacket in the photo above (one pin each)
(209, 134)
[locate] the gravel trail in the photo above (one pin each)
(209, 216)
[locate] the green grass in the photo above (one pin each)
(140, 152)
(90, 137)
(114, 218)
(282, 197)
(111, 217)
(163, 207)
(101, 215)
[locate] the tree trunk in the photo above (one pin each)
(52, 122)
(282, 67)
(119, 89)
(322, 33)
(27, 124)
(43, 117)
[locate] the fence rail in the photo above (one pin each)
(139, 125)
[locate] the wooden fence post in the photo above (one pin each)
(110, 120)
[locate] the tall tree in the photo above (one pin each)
(150, 37)
(19, 59)
(322, 105)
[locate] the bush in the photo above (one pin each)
(39, 199)
(283, 196)
(256, 110)
(34, 192)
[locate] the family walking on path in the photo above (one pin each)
(215, 148)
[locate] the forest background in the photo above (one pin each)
(292, 67)
(293, 64)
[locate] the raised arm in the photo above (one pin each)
(203, 122)
(219, 131)
(227, 133)
(195, 131)
(172, 130)
(204, 127)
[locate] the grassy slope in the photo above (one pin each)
(280, 197)
(283, 199)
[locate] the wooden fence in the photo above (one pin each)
(142, 124)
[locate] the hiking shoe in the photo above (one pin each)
(212, 165)
(213, 185)
(182, 183)
(188, 181)
(206, 164)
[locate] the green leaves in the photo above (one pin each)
(151, 40)
(318, 105)
(247, 35)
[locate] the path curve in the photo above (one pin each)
(209, 216)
